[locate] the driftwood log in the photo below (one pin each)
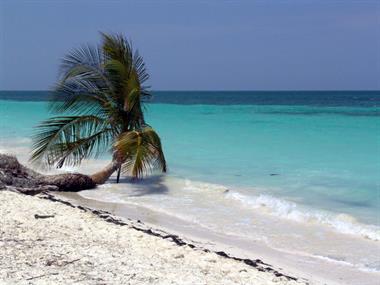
(16, 177)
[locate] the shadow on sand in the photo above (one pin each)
(148, 186)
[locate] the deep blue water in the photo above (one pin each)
(298, 98)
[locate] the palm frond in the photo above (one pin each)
(86, 55)
(134, 110)
(70, 139)
(127, 72)
(116, 47)
(140, 68)
(133, 73)
(84, 86)
(141, 152)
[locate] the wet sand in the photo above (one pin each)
(314, 270)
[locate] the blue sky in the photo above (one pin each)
(202, 45)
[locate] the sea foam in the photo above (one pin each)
(282, 208)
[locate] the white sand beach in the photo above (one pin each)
(73, 246)
(74, 236)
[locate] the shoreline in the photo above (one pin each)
(318, 268)
(61, 242)
(163, 233)
(314, 270)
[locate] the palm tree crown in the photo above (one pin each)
(102, 88)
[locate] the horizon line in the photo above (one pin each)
(221, 90)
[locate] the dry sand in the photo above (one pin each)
(78, 247)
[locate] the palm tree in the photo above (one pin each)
(99, 98)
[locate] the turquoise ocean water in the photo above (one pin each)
(319, 149)
(299, 156)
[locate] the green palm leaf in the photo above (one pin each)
(141, 152)
(70, 139)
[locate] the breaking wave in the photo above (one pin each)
(281, 208)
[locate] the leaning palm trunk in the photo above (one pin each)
(70, 182)
(102, 176)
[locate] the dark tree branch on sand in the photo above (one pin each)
(16, 177)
